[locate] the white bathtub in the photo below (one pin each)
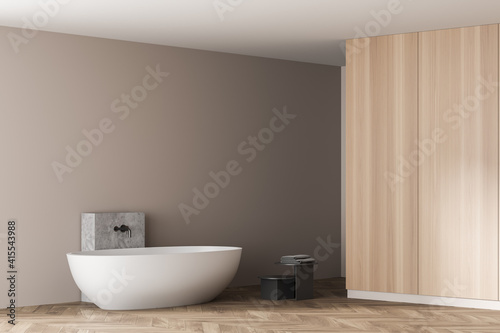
(155, 277)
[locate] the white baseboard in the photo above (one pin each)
(421, 299)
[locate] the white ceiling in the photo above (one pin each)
(301, 30)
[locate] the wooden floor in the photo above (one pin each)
(241, 310)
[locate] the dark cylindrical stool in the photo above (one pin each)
(276, 287)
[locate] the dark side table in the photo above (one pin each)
(304, 277)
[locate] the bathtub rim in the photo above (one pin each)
(112, 252)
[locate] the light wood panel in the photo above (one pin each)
(458, 182)
(240, 310)
(381, 196)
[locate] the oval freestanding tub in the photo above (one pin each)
(154, 277)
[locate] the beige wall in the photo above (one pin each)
(285, 201)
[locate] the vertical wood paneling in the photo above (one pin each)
(381, 197)
(458, 180)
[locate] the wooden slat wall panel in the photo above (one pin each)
(381, 131)
(458, 181)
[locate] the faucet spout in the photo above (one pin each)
(124, 228)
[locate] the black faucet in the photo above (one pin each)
(124, 228)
